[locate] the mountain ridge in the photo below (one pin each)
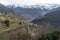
(52, 18)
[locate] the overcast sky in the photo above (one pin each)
(29, 2)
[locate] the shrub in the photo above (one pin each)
(50, 36)
(7, 23)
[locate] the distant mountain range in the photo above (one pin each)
(29, 12)
(52, 18)
(5, 9)
(33, 11)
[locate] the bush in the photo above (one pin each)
(7, 23)
(50, 36)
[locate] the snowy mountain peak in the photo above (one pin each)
(41, 6)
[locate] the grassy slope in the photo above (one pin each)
(16, 26)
